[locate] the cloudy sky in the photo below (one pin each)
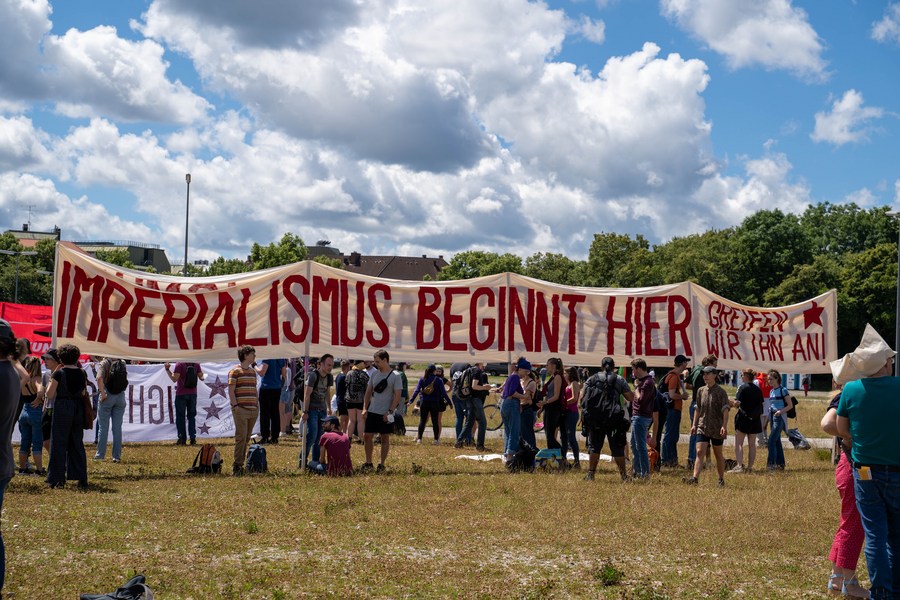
(436, 126)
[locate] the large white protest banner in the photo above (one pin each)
(308, 309)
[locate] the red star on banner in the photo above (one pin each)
(813, 315)
(212, 411)
(217, 388)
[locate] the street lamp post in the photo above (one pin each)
(187, 214)
(17, 255)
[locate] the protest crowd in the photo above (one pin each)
(369, 401)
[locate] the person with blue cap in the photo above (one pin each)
(512, 395)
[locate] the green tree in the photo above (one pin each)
(837, 229)
(556, 268)
(867, 294)
(767, 246)
(329, 261)
(478, 263)
(46, 254)
(703, 258)
(22, 272)
(617, 260)
(229, 266)
(289, 249)
(806, 281)
(116, 256)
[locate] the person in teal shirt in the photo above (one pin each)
(869, 413)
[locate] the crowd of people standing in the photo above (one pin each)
(368, 399)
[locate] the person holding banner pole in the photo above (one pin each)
(185, 398)
(316, 405)
(244, 404)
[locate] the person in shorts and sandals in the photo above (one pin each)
(356, 383)
(382, 398)
(710, 424)
(617, 435)
(747, 422)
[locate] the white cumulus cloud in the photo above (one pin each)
(888, 28)
(769, 33)
(849, 121)
(87, 73)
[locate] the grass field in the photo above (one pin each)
(432, 526)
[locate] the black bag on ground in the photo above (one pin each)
(523, 460)
(134, 589)
(256, 459)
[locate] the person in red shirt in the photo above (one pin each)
(335, 447)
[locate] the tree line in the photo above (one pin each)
(770, 259)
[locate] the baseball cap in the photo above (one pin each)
(681, 358)
(523, 364)
(52, 354)
(6, 329)
(709, 369)
(332, 419)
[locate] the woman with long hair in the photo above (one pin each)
(30, 418)
(747, 422)
(67, 457)
(780, 403)
(434, 398)
(530, 387)
(570, 416)
(554, 392)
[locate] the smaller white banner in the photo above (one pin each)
(150, 404)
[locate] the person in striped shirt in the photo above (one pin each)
(244, 404)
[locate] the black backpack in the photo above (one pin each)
(791, 414)
(117, 378)
(190, 377)
(462, 386)
(356, 383)
(600, 406)
(256, 459)
(662, 393)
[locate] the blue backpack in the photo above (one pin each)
(256, 459)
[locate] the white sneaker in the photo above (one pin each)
(737, 469)
(437, 442)
(418, 441)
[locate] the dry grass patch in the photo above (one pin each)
(430, 527)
